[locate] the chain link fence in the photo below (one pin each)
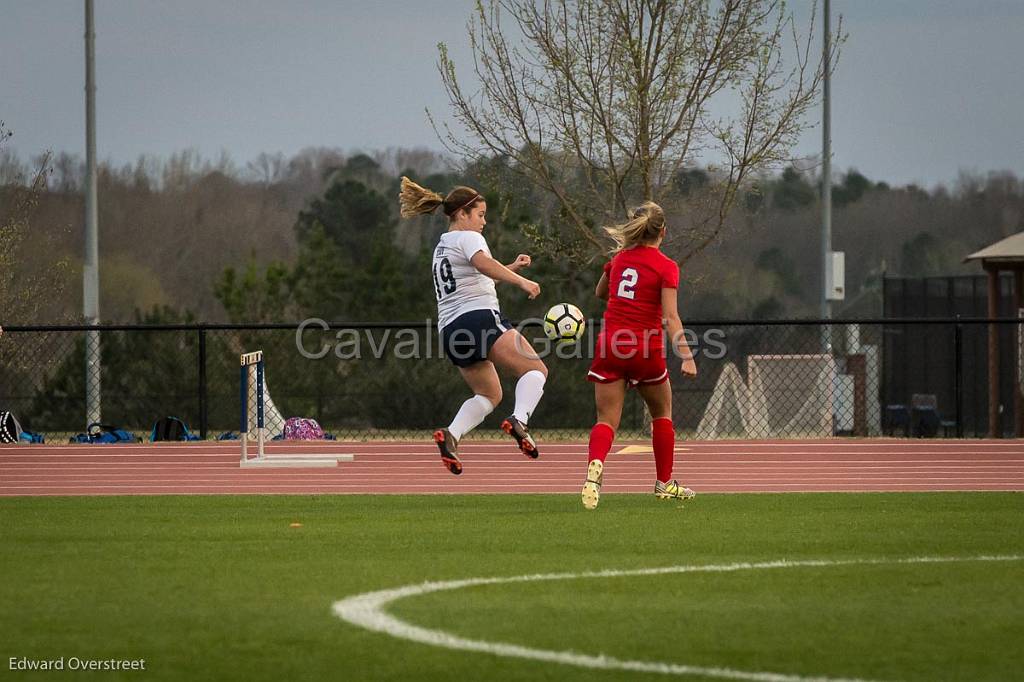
(756, 380)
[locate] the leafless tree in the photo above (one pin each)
(267, 168)
(602, 102)
(32, 273)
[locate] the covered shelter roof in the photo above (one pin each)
(1009, 250)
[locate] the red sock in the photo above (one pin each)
(601, 437)
(664, 447)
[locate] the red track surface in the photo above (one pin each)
(497, 467)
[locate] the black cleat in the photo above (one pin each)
(524, 440)
(449, 448)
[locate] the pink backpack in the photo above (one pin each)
(301, 428)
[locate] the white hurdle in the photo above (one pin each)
(253, 394)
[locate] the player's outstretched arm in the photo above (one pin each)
(522, 261)
(602, 287)
(670, 311)
(499, 273)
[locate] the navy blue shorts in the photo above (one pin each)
(468, 338)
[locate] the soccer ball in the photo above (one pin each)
(564, 322)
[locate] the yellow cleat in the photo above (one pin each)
(592, 488)
(672, 491)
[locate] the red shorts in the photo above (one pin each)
(622, 358)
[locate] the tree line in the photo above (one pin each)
(318, 234)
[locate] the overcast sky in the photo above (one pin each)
(924, 87)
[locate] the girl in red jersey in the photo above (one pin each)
(640, 284)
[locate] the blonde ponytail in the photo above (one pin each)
(646, 225)
(415, 200)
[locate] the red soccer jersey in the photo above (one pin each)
(636, 277)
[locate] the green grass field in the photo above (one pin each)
(215, 588)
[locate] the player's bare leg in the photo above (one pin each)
(514, 354)
(659, 402)
(609, 399)
(482, 379)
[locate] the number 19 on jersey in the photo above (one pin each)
(444, 279)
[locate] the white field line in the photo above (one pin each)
(367, 610)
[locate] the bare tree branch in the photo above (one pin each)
(601, 103)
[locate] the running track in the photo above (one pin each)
(497, 467)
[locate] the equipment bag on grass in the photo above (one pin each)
(31, 437)
(103, 433)
(171, 428)
(302, 428)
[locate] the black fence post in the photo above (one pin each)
(203, 394)
(958, 381)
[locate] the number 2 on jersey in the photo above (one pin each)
(447, 278)
(627, 283)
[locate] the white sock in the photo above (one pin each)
(470, 414)
(528, 392)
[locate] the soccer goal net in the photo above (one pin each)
(784, 396)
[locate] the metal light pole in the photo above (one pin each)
(90, 270)
(826, 187)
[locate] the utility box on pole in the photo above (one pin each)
(835, 276)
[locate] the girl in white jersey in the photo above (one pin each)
(474, 334)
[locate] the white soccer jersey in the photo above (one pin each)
(458, 285)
